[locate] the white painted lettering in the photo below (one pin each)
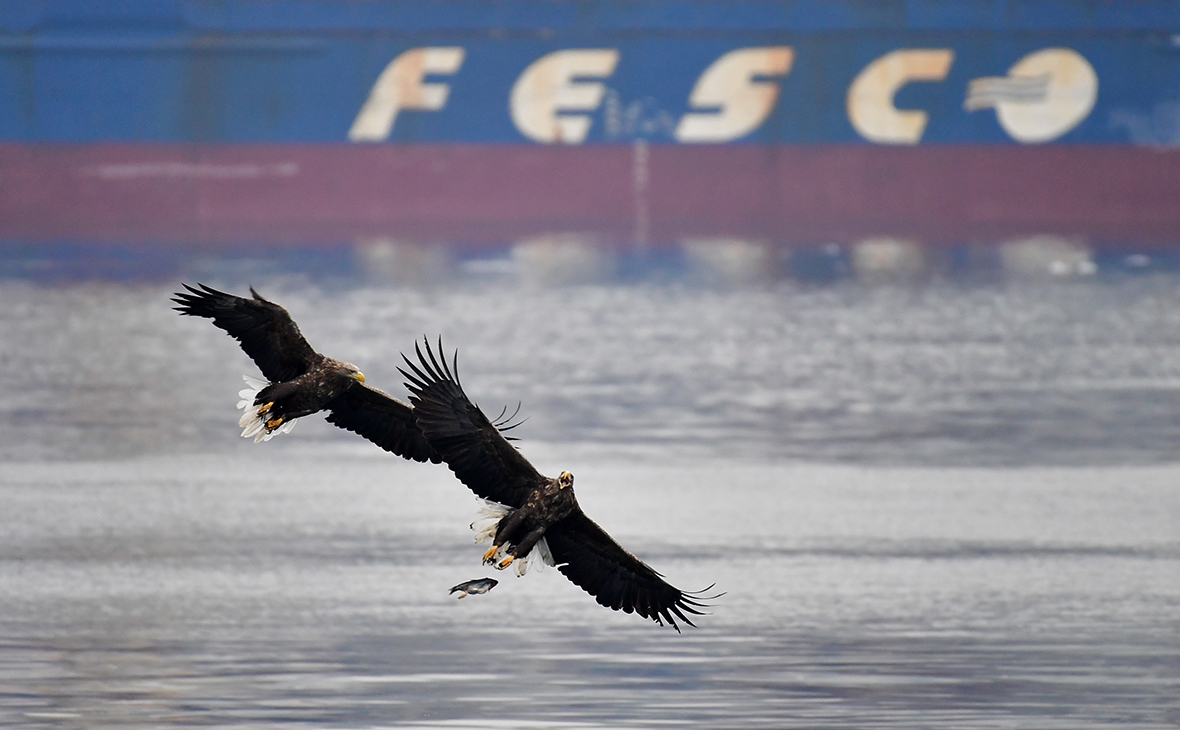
(549, 90)
(1044, 95)
(731, 87)
(870, 98)
(401, 86)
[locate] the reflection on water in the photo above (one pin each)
(579, 258)
(930, 505)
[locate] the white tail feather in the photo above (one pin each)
(252, 422)
(490, 514)
(250, 416)
(546, 554)
(252, 427)
(538, 558)
(253, 386)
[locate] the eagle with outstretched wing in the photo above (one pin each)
(301, 381)
(536, 513)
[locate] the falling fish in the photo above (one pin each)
(479, 585)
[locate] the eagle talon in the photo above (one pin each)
(505, 563)
(490, 556)
(272, 425)
(265, 409)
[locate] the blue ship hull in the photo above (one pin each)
(652, 121)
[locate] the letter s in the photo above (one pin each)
(729, 85)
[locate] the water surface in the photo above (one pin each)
(929, 506)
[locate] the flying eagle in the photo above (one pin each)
(537, 512)
(301, 380)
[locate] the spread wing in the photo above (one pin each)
(266, 332)
(470, 444)
(617, 579)
(382, 419)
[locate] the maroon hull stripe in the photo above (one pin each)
(285, 194)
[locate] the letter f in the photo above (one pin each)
(402, 86)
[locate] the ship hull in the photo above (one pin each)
(222, 195)
(791, 122)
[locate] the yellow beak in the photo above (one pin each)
(359, 376)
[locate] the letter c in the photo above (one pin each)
(870, 98)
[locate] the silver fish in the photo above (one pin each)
(479, 585)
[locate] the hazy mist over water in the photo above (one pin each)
(930, 504)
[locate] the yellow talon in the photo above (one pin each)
(505, 563)
(272, 425)
(265, 409)
(490, 554)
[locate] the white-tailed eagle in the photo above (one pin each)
(538, 512)
(301, 381)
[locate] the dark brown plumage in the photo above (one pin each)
(484, 460)
(301, 380)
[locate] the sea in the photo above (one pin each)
(921, 502)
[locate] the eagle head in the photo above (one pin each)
(565, 480)
(349, 370)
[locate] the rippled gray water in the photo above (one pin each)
(929, 505)
(1061, 372)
